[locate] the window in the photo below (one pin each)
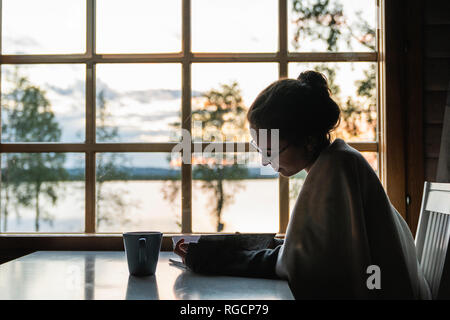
(95, 95)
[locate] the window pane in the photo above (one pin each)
(138, 102)
(295, 185)
(222, 93)
(138, 192)
(42, 192)
(43, 27)
(233, 193)
(353, 86)
(43, 103)
(234, 26)
(372, 158)
(136, 26)
(336, 25)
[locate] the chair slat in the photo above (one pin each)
(427, 250)
(433, 234)
(435, 248)
(443, 247)
(437, 251)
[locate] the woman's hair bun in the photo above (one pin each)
(300, 108)
(314, 79)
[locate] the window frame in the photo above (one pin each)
(186, 57)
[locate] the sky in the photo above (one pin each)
(144, 100)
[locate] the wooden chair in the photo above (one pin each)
(432, 238)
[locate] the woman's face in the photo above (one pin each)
(290, 160)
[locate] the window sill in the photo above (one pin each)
(77, 241)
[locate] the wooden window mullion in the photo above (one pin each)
(197, 57)
(90, 214)
(1, 61)
(283, 182)
(186, 168)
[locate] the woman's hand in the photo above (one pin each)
(181, 249)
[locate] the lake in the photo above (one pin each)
(140, 205)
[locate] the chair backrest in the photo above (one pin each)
(432, 237)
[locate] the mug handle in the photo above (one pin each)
(142, 254)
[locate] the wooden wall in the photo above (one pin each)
(436, 79)
(416, 57)
(422, 70)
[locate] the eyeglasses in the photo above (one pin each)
(263, 154)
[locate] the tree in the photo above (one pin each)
(222, 113)
(110, 204)
(319, 20)
(29, 176)
(325, 21)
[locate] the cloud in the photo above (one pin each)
(152, 125)
(145, 96)
(141, 96)
(77, 87)
(22, 42)
(157, 116)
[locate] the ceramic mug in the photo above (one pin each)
(142, 250)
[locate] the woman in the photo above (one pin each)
(344, 238)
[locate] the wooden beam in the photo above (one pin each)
(73, 241)
(283, 182)
(226, 57)
(235, 57)
(139, 58)
(86, 147)
(332, 56)
(364, 146)
(392, 142)
(415, 175)
(44, 58)
(90, 27)
(186, 121)
(1, 94)
(283, 38)
(379, 44)
(90, 194)
(90, 163)
(146, 147)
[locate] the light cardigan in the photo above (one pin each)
(342, 223)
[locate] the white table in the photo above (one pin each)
(86, 275)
